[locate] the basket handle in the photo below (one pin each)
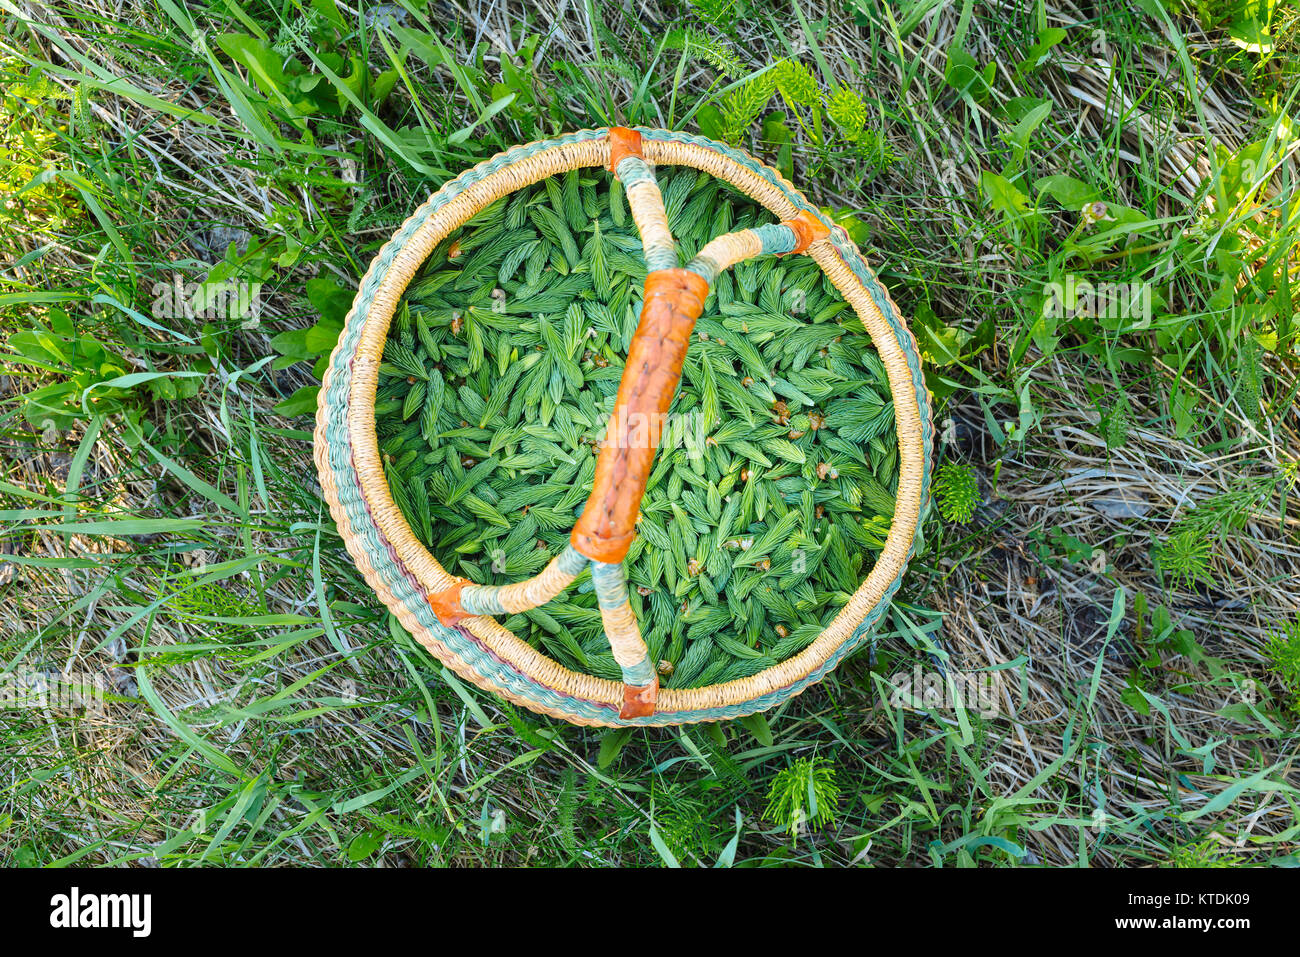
(674, 299)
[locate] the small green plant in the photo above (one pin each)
(957, 488)
(848, 113)
(699, 45)
(1156, 635)
(31, 193)
(1203, 853)
(722, 15)
(1185, 554)
(1283, 653)
(803, 796)
(797, 85)
(741, 107)
(684, 828)
(1247, 497)
(810, 107)
(1250, 380)
(1116, 423)
(1185, 557)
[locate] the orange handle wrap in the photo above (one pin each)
(622, 144)
(639, 702)
(674, 299)
(807, 230)
(446, 603)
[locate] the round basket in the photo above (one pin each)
(453, 618)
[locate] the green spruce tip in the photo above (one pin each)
(769, 492)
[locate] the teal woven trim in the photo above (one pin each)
(572, 561)
(777, 239)
(482, 600)
(404, 585)
(611, 592)
(705, 267)
(640, 674)
(633, 170)
(486, 599)
(659, 258)
(610, 584)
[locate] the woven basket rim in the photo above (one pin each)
(399, 567)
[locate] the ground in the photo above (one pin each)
(1086, 212)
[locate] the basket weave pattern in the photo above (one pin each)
(404, 574)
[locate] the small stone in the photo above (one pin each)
(124, 682)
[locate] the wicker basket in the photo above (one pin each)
(452, 618)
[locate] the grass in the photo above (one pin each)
(1088, 217)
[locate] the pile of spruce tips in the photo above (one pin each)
(774, 483)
